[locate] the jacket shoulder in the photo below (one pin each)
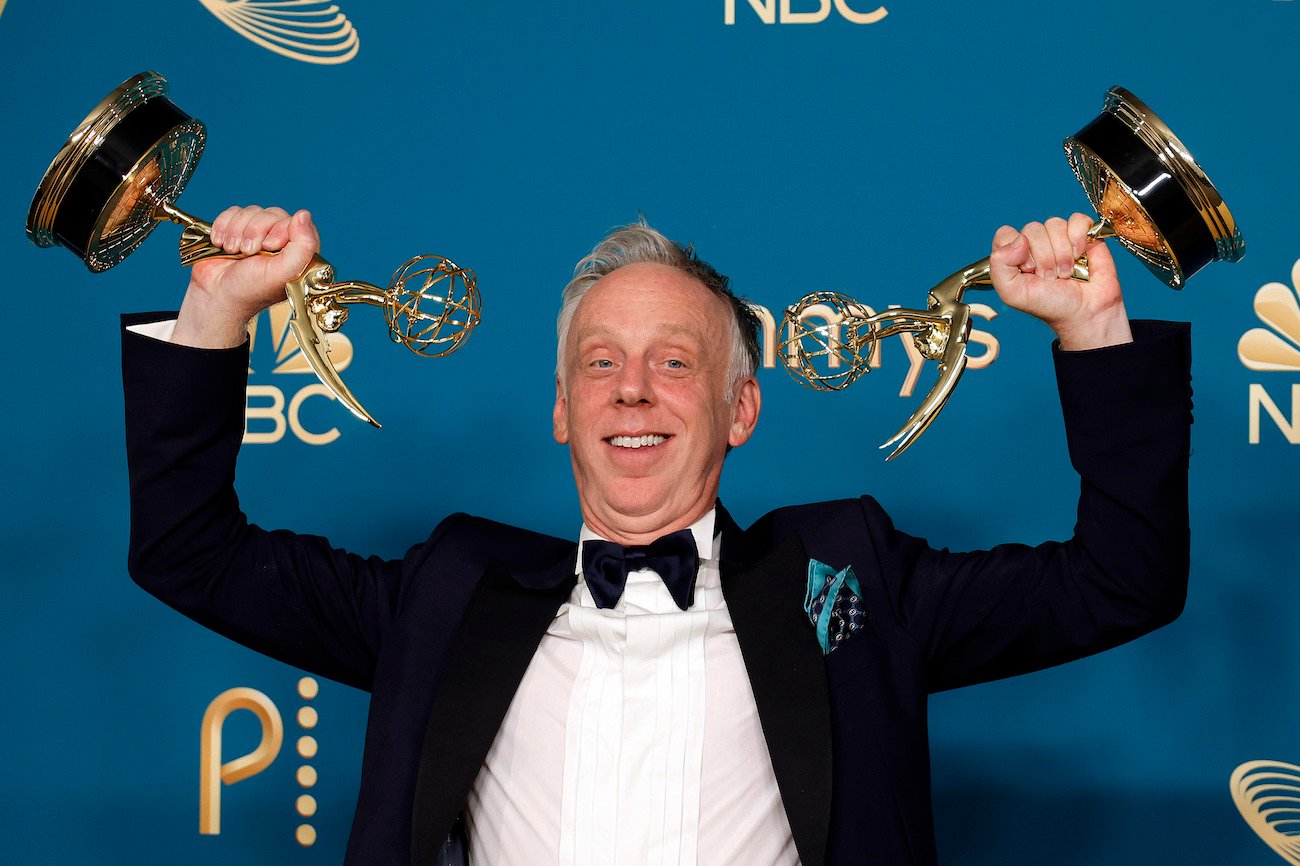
(821, 525)
(835, 513)
(477, 539)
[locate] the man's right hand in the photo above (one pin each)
(225, 294)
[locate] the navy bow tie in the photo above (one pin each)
(674, 558)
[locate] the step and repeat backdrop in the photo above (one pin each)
(801, 145)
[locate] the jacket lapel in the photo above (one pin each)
(788, 675)
(506, 618)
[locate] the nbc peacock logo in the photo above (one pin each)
(305, 30)
(270, 413)
(1267, 794)
(1275, 349)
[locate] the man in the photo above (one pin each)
(706, 695)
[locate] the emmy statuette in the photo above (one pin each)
(1150, 195)
(122, 169)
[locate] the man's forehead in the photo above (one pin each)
(597, 329)
(648, 300)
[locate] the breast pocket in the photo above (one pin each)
(858, 652)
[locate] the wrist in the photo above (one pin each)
(1107, 328)
(204, 322)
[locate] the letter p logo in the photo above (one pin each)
(211, 771)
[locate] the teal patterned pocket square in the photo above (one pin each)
(833, 603)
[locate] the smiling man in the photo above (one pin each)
(667, 687)
(650, 392)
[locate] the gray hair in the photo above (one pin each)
(639, 243)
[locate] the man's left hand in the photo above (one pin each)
(1031, 271)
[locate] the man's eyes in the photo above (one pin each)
(608, 364)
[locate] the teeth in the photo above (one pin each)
(637, 441)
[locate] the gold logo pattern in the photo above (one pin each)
(1277, 306)
(1267, 794)
(306, 30)
(308, 688)
(212, 772)
(766, 10)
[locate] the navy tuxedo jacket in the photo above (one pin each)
(441, 637)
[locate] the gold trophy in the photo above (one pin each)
(1150, 195)
(119, 175)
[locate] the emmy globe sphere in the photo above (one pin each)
(822, 348)
(433, 305)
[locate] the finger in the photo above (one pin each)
(304, 242)
(1005, 237)
(237, 240)
(220, 224)
(1040, 250)
(1010, 254)
(302, 230)
(1080, 225)
(1062, 252)
(269, 229)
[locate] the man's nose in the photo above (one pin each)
(633, 385)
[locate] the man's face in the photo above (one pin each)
(643, 406)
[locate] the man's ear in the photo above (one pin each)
(744, 415)
(560, 415)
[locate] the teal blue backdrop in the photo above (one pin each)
(798, 155)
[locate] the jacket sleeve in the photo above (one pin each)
(1012, 609)
(292, 597)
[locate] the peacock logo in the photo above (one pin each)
(1276, 348)
(306, 30)
(1267, 794)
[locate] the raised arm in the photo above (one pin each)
(1127, 408)
(289, 596)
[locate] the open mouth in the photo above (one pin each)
(649, 440)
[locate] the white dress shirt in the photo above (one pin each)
(633, 739)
